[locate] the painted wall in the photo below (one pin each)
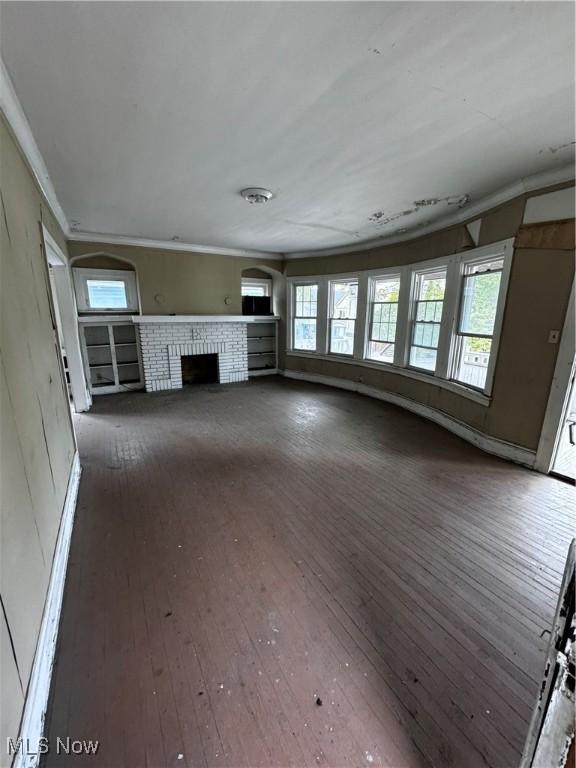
(177, 282)
(538, 295)
(37, 440)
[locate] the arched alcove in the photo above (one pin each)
(102, 261)
(108, 267)
(270, 279)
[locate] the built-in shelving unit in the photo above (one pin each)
(111, 355)
(262, 346)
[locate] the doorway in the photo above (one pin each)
(556, 450)
(564, 463)
(65, 324)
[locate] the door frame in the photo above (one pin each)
(559, 392)
(81, 398)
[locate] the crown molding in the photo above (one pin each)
(169, 245)
(561, 175)
(12, 110)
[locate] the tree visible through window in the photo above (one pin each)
(479, 302)
(384, 319)
(428, 307)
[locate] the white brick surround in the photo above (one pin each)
(163, 343)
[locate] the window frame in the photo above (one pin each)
(455, 266)
(265, 282)
(415, 272)
(373, 278)
(293, 316)
(83, 274)
(354, 278)
(471, 259)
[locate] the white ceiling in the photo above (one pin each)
(152, 116)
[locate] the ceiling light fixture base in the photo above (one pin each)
(257, 195)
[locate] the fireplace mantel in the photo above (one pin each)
(143, 319)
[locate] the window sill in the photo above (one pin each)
(428, 378)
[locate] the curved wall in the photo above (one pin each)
(537, 300)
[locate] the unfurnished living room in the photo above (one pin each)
(287, 384)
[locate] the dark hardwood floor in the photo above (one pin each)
(283, 574)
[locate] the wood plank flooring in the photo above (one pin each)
(283, 574)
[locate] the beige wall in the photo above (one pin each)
(177, 282)
(538, 295)
(37, 440)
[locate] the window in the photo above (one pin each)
(304, 318)
(252, 286)
(342, 318)
(477, 317)
(383, 319)
(107, 294)
(105, 290)
(429, 288)
(439, 318)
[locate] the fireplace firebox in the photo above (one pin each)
(199, 369)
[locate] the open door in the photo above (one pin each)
(550, 739)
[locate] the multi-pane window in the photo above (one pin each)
(475, 329)
(383, 319)
(439, 318)
(429, 292)
(305, 313)
(342, 316)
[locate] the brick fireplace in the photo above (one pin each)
(164, 340)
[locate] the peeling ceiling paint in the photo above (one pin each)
(364, 119)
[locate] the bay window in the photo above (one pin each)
(437, 321)
(305, 313)
(385, 292)
(429, 289)
(342, 318)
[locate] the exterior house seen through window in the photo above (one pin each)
(386, 292)
(439, 318)
(343, 304)
(305, 313)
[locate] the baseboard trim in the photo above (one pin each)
(32, 726)
(493, 445)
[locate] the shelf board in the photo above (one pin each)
(134, 362)
(260, 337)
(101, 365)
(260, 354)
(116, 344)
